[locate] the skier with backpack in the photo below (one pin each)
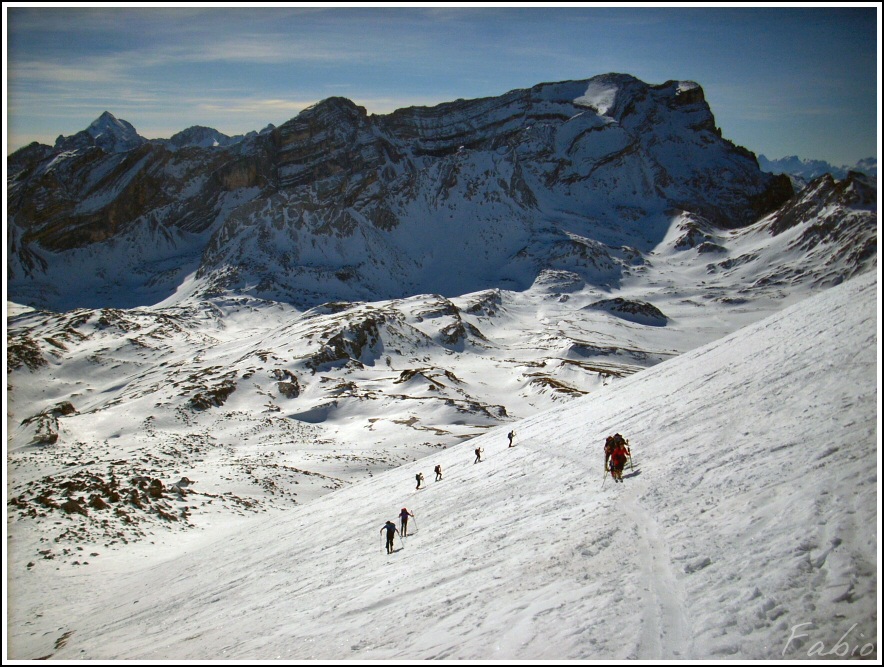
(511, 435)
(438, 471)
(619, 454)
(403, 521)
(420, 480)
(391, 529)
(609, 447)
(613, 441)
(479, 451)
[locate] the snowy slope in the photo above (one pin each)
(746, 530)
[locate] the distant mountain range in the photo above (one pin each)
(113, 135)
(807, 170)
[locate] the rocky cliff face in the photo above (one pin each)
(579, 176)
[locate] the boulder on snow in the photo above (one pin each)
(639, 312)
(181, 486)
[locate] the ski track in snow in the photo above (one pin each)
(664, 629)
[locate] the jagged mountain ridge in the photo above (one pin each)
(199, 136)
(337, 204)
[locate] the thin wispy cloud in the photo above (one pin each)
(277, 49)
(90, 70)
(253, 108)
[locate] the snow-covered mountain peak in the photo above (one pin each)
(111, 134)
(615, 95)
(459, 197)
(107, 122)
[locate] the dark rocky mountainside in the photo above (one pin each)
(337, 203)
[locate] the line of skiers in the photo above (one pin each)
(616, 455)
(390, 527)
(419, 477)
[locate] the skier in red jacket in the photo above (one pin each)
(619, 454)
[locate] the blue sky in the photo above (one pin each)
(780, 80)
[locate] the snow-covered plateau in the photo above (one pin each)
(746, 527)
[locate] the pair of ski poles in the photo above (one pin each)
(607, 469)
(415, 525)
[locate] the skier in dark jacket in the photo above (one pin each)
(609, 447)
(438, 471)
(479, 451)
(511, 435)
(390, 527)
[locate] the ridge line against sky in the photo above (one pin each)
(781, 81)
